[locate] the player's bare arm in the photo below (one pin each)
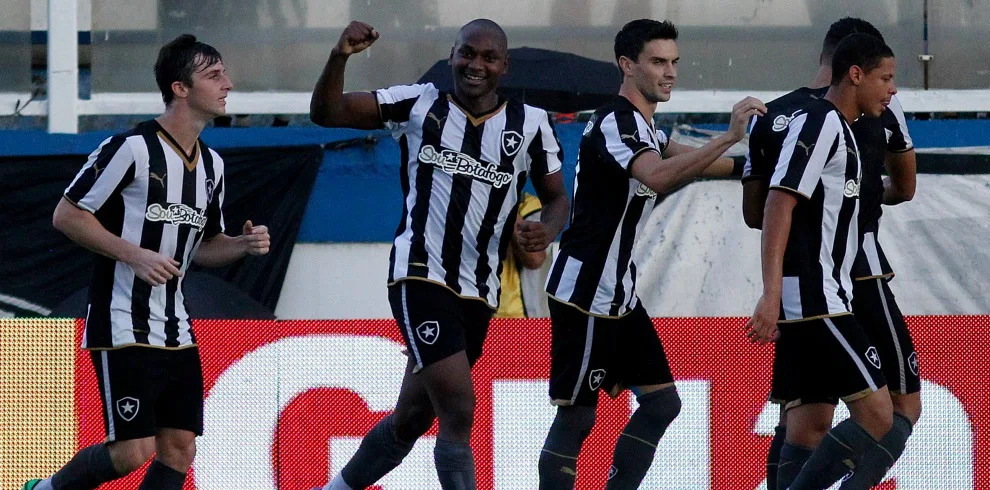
(330, 106)
(222, 250)
(662, 175)
(900, 184)
(754, 198)
(721, 167)
(83, 228)
(762, 327)
(537, 236)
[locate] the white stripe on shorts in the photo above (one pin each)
(852, 354)
(893, 335)
(586, 359)
(111, 431)
(409, 330)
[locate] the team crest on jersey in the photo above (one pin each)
(851, 189)
(511, 142)
(913, 363)
(210, 187)
(177, 214)
(873, 356)
(646, 192)
(455, 162)
(428, 332)
(781, 122)
(595, 378)
(612, 471)
(127, 408)
(591, 125)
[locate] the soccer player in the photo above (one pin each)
(465, 158)
(603, 338)
(883, 142)
(149, 202)
(810, 239)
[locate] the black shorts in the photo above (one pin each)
(877, 312)
(589, 353)
(825, 360)
(436, 323)
(144, 389)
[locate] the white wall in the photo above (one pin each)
(698, 258)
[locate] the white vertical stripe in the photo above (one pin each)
(613, 141)
(409, 330)
(572, 267)
(791, 298)
(872, 255)
(585, 358)
(135, 197)
(833, 182)
(788, 148)
(852, 354)
(893, 335)
(107, 397)
(549, 142)
(898, 111)
(605, 294)
(830, 131)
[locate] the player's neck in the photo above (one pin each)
(479, 105)
(844, 99)
(645, 107)
(823, 78)
(184, 126)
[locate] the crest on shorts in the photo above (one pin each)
(873, 357)
(428, 332)
(595, 378)
(913, 363)
(511, 142)
(127, 408)
(612, 470)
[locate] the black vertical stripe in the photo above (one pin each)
(627, 238)
(432, 133)
(189, 185)
(87, 180)
(804, 148)
(99, 331)
(151, 236)
(457, 209)
(214, 215)
(538, 153)
(404, 183)
(846, 217)
(397, 112)
(808, 236)
(515, 119)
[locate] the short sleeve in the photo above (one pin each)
(624, 137)
(544, 150)
(895, 127)
(107, 171)
(395, 104)
(805, 152)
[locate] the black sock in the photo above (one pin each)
(839, 453)
(792, 459)
(380, 452)
(880, 458)
(637, 445)
(161, 476)
(90, 467)
(455, 465)
(773, 456)
(558, 459)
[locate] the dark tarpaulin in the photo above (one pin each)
(40, 268)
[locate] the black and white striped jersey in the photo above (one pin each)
(766, 134)
(143, 188)
(876, 137)
(594, 270)
(461, 175)
(820, 163)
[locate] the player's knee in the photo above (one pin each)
(177, 452)
(457, 412)
(909, 406)
(412, 422)
(660, 407)
(130, 455)
(875, 414)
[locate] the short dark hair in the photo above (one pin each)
(178, 60)
(630, 40)
(862, 50)
(842, 28)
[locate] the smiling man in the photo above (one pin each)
(465, 158)
(149, 203)
(603, 338)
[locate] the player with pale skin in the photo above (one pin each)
(184, 118)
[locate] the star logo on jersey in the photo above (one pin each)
(612, 471)
(159, 178)
(210, 187)
(807, 149)
(781, 122)
(457, 163)
(851, 189)
(913, 363)
(873, 357)
(511, 142)
(428, 332)
(127, 408)
(595, 378)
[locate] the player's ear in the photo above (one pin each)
(625, 66)
(856, 74)
(450, 60)
(180, 89)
